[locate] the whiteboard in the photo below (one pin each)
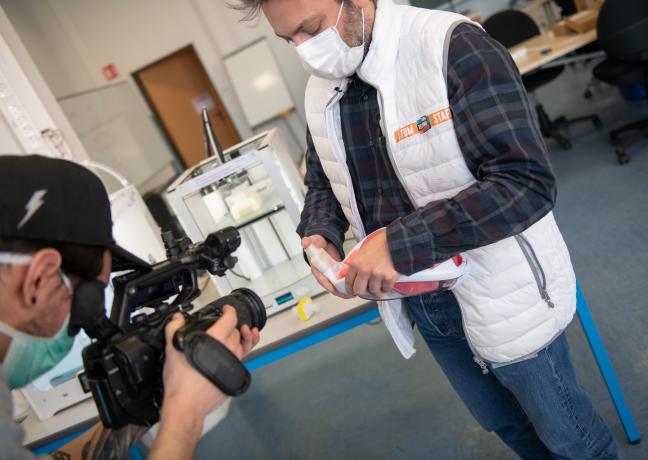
(258, 83)
(116, 130)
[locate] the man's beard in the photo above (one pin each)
(352, 33)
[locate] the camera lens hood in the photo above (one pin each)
(253, 306)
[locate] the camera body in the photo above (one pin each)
(123, 365)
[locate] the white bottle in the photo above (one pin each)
(441, 276)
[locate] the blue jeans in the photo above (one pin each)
(536, 406)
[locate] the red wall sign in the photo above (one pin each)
(110, 72)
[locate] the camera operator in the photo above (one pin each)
(55, 233)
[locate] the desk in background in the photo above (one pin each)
(529, 55)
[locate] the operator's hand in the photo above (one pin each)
(184, 386)
(188, 396)
(371, 269)
(320, 242)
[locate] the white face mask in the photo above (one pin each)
(327, 56)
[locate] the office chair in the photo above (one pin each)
(623, 34)
(568, 7)
(512, 27)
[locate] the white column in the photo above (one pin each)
(28, 107)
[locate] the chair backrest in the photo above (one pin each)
(567, 7)
(511, 27)
(623, 29)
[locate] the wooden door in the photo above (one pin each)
(176, 87)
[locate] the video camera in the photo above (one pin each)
(123, 364)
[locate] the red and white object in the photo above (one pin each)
(444, 275)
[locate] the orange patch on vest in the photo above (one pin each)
(423, 124)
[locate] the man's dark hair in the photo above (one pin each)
(250, 7)
(83, 261)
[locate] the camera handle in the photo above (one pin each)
(214, 361)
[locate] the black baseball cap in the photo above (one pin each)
(50, 199)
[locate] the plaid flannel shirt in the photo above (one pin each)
(500, 140)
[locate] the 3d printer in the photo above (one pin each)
(259, 191)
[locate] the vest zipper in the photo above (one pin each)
(536, 268)
(478, 359)
(541, 281)
(482, 364)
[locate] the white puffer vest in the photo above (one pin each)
(521, 291)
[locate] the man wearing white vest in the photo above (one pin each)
(418, 122)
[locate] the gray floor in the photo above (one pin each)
(353, 397)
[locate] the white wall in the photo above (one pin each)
(71, 40)
(486, 8)
(135, 33)
(231, 34)
(8, 142)
(49, 45)
(81, 36)
(27, 105)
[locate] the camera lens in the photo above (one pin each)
(248, 305)
(249, 308)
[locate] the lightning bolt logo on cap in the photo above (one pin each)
(32, 206)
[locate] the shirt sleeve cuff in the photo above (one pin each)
(410, 251)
